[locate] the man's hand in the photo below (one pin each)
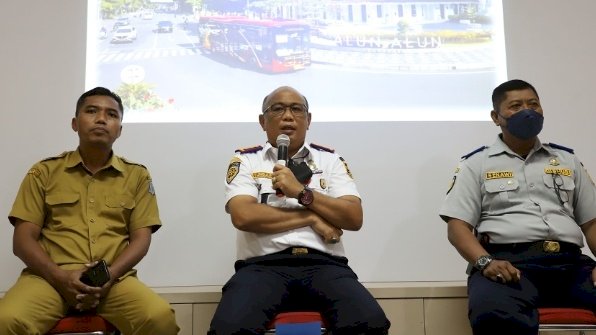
(283, 178)
(502, 272)
(77, 294)
(329, 233)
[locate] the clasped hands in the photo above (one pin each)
(77, 294)
(283, 179)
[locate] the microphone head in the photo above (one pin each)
(283, 140)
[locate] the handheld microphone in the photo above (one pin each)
(283, 141)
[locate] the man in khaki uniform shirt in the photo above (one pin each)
(73, 210)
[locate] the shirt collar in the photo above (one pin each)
(75, 159)
(303, 152)
(499, 146)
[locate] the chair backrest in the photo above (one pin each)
(83, 325)
(566, 319)
(302, 323)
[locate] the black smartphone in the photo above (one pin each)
(97, 275)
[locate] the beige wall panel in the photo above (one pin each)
(446, 316)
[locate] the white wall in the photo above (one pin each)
(402, 168)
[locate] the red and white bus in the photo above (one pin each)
(267, 45)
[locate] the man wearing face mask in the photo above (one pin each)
(518, 211)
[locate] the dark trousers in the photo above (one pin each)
(264, 286)
(547, 280)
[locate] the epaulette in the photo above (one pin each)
(321, 148)
(55, 157)
(250, 150)
(466, 156)
(131, 162)
(556, 146)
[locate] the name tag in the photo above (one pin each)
(498, 175)
(559, 171)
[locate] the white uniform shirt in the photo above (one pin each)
(250, 174)
(513, 200)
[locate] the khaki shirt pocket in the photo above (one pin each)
(62, 209)
(118, 209)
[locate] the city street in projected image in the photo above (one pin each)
(215, 60)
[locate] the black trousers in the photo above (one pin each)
(561, 279)
(264, 286)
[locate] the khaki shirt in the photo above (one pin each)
(86, 217)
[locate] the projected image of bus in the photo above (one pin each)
(268, 45)
(214, 60)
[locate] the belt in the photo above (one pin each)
(297, 251)
(549, 247)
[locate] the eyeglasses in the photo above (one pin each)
(561, 194)
(277, 110)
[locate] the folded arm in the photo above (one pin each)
(344, 212)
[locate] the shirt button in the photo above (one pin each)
(531, 184)
(121, 203)
(509, 182)
(93, 241)
(502, 187)
(92, 220)
(91, 200)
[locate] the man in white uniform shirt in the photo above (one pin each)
(290, 220)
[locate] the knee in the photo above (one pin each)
(161, 317)
(236, 325)
(499, 319)
(10, 323)
(371, 322)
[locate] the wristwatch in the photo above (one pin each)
(482, 262)
(305, 197)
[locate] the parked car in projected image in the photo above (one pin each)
(124, 34)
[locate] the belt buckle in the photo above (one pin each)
(551, 246)
(299, 251)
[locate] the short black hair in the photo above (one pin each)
(99, 91)
(266, 99)
(500, 91)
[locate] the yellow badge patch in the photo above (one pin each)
(347, 168)
(559, 171)
(233, 169)
(498, 175)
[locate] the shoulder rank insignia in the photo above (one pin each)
(250, 150)
(560, 147)
(466, 156)
(55, 157)
(131, 162)
(321, 148)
